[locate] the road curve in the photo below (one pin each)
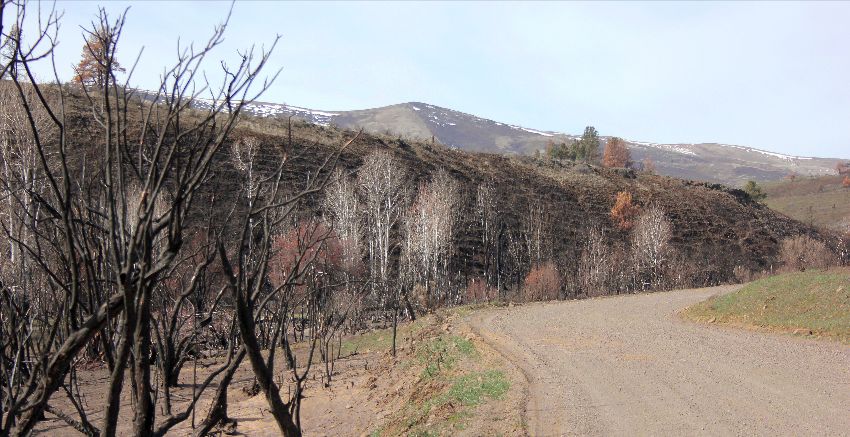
(628, 365)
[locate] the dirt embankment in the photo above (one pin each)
(443, 381)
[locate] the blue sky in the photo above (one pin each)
(769, 75)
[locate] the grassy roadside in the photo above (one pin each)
(815, 303)
(443, 382)
(448, 389)
(380, 340)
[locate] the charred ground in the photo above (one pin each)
(715, 228)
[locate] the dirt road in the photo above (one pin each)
(630, 366)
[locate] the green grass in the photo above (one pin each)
(817, 301)
(451, 384)
(470, 390)
(381, 340)
(464, 389)
(453, 389)
(441, 353)
(465, 392)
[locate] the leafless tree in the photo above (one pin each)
(595, 265)
(112, 231)
(651, 248)
(428, 243)
(487, 209)
(514, 262)
(842, 245)
(536, 232)
(244, 155)
(20, 166)
(343, 211)
(384, 183)
(259, 298)
(802, 252)
(184, 307)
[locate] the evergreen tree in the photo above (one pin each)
(587, 149)
(754, 191)
(561, 151)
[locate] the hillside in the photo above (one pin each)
(715, 228)
(722, 163)
(818, 201)
(551, 222)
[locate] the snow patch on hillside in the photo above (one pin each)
(309, 111)
(265, 110)
(446, 117)
(676, 148)
(686, 149)
(322, 118)
(765, 152)
(545, 134)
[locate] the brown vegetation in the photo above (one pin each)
(478, 291)
(648, 166)
(803, 252)
(624, 211)
(542, 283)
(821, 201)
(98, 60)
(616, 154)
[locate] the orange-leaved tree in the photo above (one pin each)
(542, 283)
(616, 154)
(846, 182)
(98, 59)
(624, 211)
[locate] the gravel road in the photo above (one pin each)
(628, 365)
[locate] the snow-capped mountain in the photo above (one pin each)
(724, 163)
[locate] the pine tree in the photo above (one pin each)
(754, 191)
(588, 147)
(561, 151)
